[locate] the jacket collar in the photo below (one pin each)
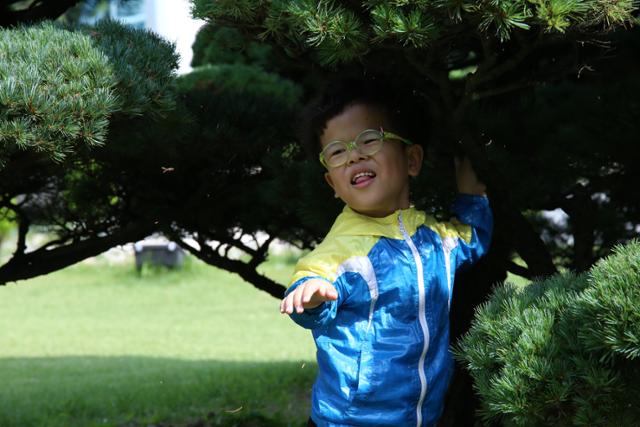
(351, 223)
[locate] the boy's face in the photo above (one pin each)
(375, 185)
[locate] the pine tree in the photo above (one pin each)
(485, 71)
(529, 90)
(455, 54)
(61, 95)
(174, 155)
(562, 351)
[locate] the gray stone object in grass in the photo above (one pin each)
(167, 254)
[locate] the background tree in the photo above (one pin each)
(209, 181)
(553, 26)
(60, 91)
(522, 88)
(140, 150)
(459, 56)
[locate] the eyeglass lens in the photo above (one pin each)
(367, 143)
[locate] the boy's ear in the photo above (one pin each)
(415, 156)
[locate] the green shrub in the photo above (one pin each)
(563, 351)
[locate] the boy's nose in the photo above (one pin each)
(355, 156)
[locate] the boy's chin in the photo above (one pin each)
(376, 212)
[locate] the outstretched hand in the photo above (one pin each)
(466, 178)
(310, 294)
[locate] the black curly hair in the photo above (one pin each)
(405, 110)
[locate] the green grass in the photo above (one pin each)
(98, 345)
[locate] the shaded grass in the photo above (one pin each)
(101, 345)
(100, 391)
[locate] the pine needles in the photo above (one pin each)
(563, 351)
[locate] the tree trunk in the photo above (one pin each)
(524, 238)
(471, 289)
(581, 210)
(511, 232)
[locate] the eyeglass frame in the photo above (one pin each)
(351, 145)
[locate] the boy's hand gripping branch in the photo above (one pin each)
(308, 295)
(466, 178)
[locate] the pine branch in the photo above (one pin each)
(488, 71)
(439, 77)
(261, 253)
(234, 243)
(46, 260)
(501, 90)
(489, 53)
(244, 270)
(519, 270)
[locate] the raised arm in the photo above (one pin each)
(473, 217)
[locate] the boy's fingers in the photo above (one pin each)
(297, 299)
(331, 293)
(328, 293)
(307, 294)
(283, 305)
(288, 305)
(309, 290)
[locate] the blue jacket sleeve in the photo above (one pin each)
(318, 316)
(475, 226)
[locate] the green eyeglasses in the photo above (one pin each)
(367, 143)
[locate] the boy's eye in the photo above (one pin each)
(369, 137)
(369, 140)
(335, 151)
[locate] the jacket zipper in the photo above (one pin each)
(448, 245)
(422, 317)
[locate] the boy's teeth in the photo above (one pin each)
(360, 176)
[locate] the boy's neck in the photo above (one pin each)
(382, 213)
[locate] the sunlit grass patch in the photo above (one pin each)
(103, 345)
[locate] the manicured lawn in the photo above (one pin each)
(99, 345)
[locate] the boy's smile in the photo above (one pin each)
(375, 185)
(362, 178)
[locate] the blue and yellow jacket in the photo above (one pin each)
(383, 345)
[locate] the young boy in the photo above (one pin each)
(376, 292)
